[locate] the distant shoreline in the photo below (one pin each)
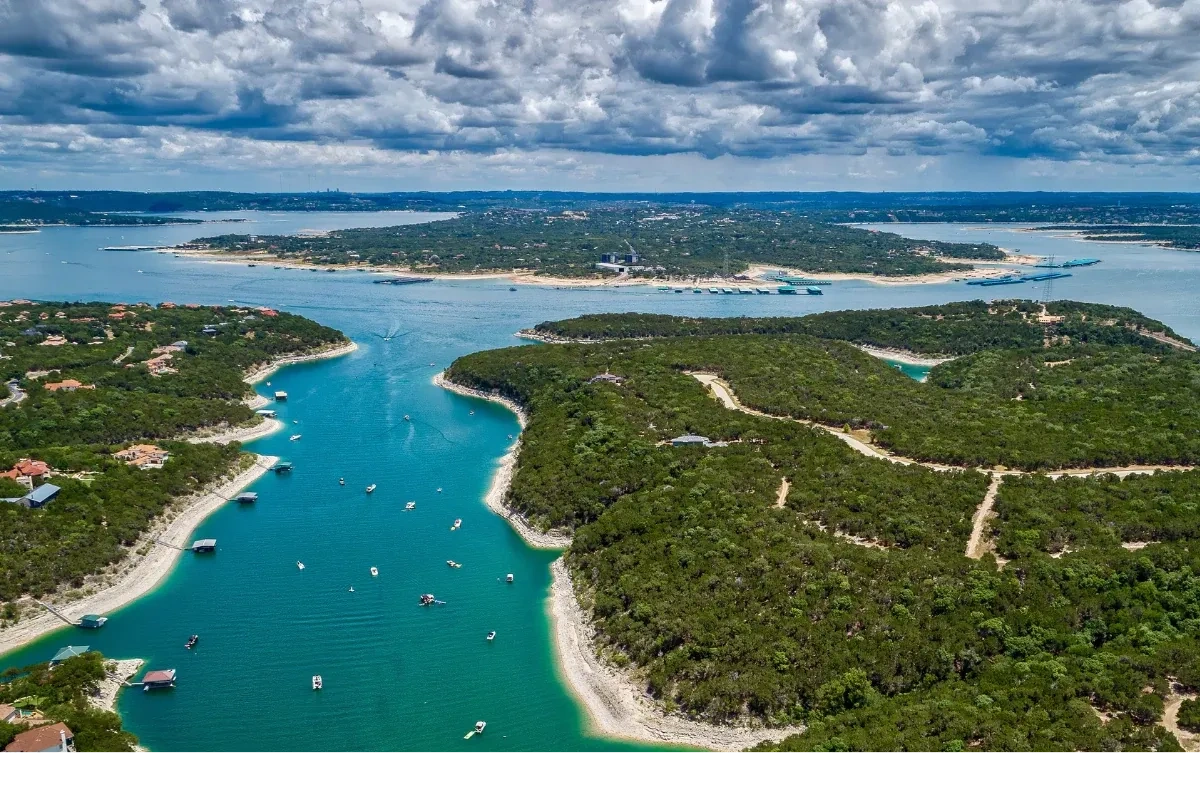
(610, 698)
(753, 274)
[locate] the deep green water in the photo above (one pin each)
(397, 676)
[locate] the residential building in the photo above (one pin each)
(69, 385)
(54, 738)
(143, 456)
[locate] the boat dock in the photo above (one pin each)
(247, 498)
(204, 546)
(403, 281)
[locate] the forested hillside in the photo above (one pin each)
(786, 576)
(92, 379)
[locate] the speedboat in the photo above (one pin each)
(317, 682)
(341, 481)
(191, 642)
(300, 565)
(472, 413)
(491, 635)
(439, 490)
(457, 525)
(509, 578)
(374, 572)
(453, 564)
(479, 726)
(351, 589)
(410, 505)
(427, 600)
(294, 437)
(370, 488)
(407, 418)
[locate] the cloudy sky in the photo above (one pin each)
(600, 94)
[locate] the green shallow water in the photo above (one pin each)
(397, 676)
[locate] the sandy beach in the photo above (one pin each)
(904, 356)
(991, 269)
(261, 373)
(614, 704)
(137, 575)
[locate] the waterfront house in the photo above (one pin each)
(69, 652)
(69, 385)
(54, 738)
(8, 714)
(688, 439)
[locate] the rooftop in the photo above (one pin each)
(70, 652)
(40, 739)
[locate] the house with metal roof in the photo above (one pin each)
(40, 496)
(690, 438)
(69, 652)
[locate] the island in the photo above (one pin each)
(120, 427)
(609, 240)
(781, 538)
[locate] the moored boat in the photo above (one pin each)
(410, 505)
(191, 642)
(299, 565)
(427, 600)
(370, 488)
(317, 682)
(453, 564)
(374, 572)
(491, 635)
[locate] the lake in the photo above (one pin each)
(398, 676)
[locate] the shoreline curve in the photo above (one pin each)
(610, 699)
(147, 572)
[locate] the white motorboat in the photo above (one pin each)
(317, 682)
(409, 506)
(370, 488)
(491, 635)
(509, 578)
(300, 565)
(352, 590)
(294, 437)
(479, 726)
(453, 564)
(374, 572)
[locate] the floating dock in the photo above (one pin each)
(283, 466)
(1074, 262)
(204, 545)
(406, 281)
(790, 281)
(246, 498)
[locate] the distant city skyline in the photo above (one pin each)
(601, 95)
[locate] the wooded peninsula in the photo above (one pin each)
(95, 399)
(689, 240)
(769, 524)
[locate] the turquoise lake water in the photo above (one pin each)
(397, 676)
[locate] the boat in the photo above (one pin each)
(453, 565)
(341, 481)
(512, 288)
(479, 726)
(299, 565)
(456, 525)
(509, 578)
(294, 437)
(407, 418)
(439, 490)
(726, 290)
(370, 488)
(679, 291)
(351, 590)
(760, 290)
(374, 572)
(697, 291)
(317, 682)
(410, 505)
(191, 642)
(427, 600)
(472, 413)
(491, 635)
(714, 291)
